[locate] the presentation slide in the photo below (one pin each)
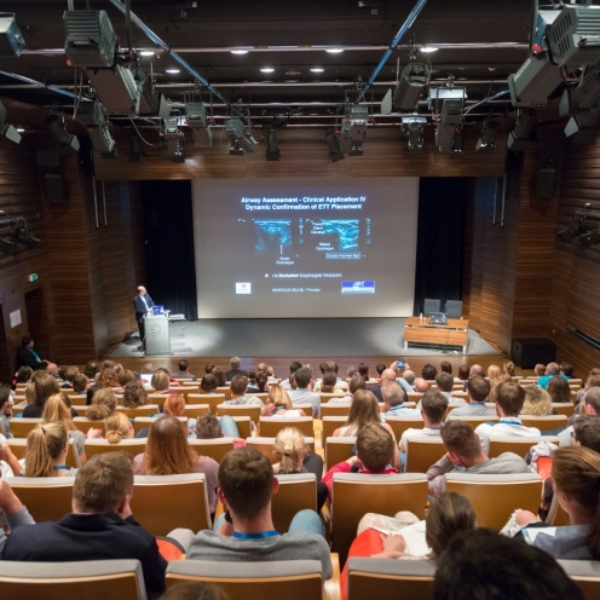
(293, 247)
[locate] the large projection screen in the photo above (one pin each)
(301, 247)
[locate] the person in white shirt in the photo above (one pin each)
(393, 402)
(433, 408)
(445, 384)
(510, 398)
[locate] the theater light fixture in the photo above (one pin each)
(197, 119)
(7, 247)
(488, 136)
(272, 153)
(58, 130)
(354, 129)
(92, 115)
(414, 79)
(241, 138)
(91, 41)
(520, 139)
(582, 129)
(11, 39)
(173, 139)
(590, 238)
(413, 128)
(577, 226)
(7, 130)
(574, 36)
(333, 143)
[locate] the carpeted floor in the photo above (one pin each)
(295, 337)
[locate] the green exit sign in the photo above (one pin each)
(33, 277)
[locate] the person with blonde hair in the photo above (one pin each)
(44, 385)
(160, 381)
(104, 404)
(279, 404)
(538, 402)
(294, 456)
(168, 453)
(493, 373)
(56, 410)
(118, 427)
(508, 368)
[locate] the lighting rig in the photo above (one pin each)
(240, 136)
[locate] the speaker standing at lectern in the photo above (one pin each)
(142, 304)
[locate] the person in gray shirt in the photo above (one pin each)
(478, 389)
(303, 393)
(239, 387)
(246, 532)
(464, 450)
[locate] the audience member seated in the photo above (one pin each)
(429, 372)
(239, 396)
(493, 374)
(183, 371)
(510, 398)
(108, 379)
(478, 390)
(446, 367)
(118, 427)
(168, 453)
(28, 357)
(104, 404)
(69, 375)
(566, 370)
(294, 366)
(330, 366)
(483, 565)
(552, 369)
(174, 405)
(463, 373)
(293, 456)
(575, 475)
(235, 364)
(445, 384)
(593, 380)
(465, 452)
(508, 368)
(586, 432)
(590, 406)
(101, 525)
(421, 386)
(161, 382)
(357, 382)
(328, 384)
(259, 383)
(559, 389)
(433, 408)
(80, 384)
(279, 404)
(209, 384)
(91, 370)
(245, 532)
(303, 393)
(134, 394)
(538, 402)
(375, 450)
(56, 410)
(189, 590)
(6, 406)
(393, 402)
(211, 427)
(44, 386)
(476, 370)
(23, 374)
(539, 370)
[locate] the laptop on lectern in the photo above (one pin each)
(438, 318)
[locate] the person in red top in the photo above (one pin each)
(374, 454)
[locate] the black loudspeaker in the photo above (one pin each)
(545, 182)
(528, 352)
(48, 159)
(53, 187)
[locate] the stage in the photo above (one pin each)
(294, 338)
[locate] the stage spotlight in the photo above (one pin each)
(240, 137)
(58, 130)
(488, 136)
(354, 129)
(582, 129)
(22, 235)
(457, 140)
(197, 120)
(333, 143)
(414, 78)
(535, 81)
(576, 227)
(7, 247)
(11, 39)
(448, 102)
(173, 140)
(6, 129)
(93, 116)
(574, 36)
(444, 137)
(590, 238)
(412, 128)
(587, 93)
(116, 88)
(272, 153)
(91, 41)
(520, 139)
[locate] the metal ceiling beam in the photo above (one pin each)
(32, 83)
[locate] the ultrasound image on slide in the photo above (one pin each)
(347, 232)
(272, 235)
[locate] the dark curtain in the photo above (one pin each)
(169, 240)
(440, 241)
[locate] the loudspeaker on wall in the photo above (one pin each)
(546, 178)
(53, 187)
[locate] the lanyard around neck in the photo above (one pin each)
(255, 536)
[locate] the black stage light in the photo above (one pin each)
(333, 143)
(117, 89)
(354, 129)
(413, 81)
(520, 139)
(444, 137)
(173, 140)
(412, 128)
(272, 153)
(488, 136)
(240, 137)
(576, 227)
(590, 238)
(447, 101)
(58, 130)
(6, 129)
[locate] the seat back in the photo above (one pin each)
(563, 408)
(390, 579)
(549, 423)
(19, 447)
(147, 410)
(335, 410)
(400, 425)
(193, 411)
(269, 580)
(92, 580)
(244, 425)
(240, 410)
(265, 445)
(215, 449)
(21, 427)
(431, 305)
(132, 447)
(225, 389)
(78, 400)
(326, 397)
(162, 503)
(453, 309)
(586, 574)
(271, 426)
(84, 424)
(296, 492)
(141, 422)
(474, 422)
(338, 449)
(519, 445)
(355, 494)
(213, 400)
(421, 454)
(330, 424)
(495, 497)
(47, 498)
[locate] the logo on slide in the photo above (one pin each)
(243, 288)
(358, 287)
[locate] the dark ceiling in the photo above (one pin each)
(480, 43)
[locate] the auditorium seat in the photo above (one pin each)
(21, 427)
(271, 426)
(335, 410)
(162, 503)
(19, 446)
(453, 309)
(586, 573)
(431, 305)
(240, 410)
(132, 447)
(213, 400)
(495, 497)
(474, 422)
(215, 449)
(147, 410)
(225, 390)
(390, 579)
(265, 445)
(355, 494)
(193, 411)
(563, 408)
(338, 449)
(271, 580)
(399, 425)
(77, 400)
(157, 398)
(326, 397)
(549, 423)
(142, 422)
(421, 454)
(84, 424)
(518, 445)
(414, 397)
(330, 424)
(296, 492)
(244, 425)
(47, 498)
(92, 580)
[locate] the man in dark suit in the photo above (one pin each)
(142, 303)
(101, 526)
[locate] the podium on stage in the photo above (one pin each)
(158, 340)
